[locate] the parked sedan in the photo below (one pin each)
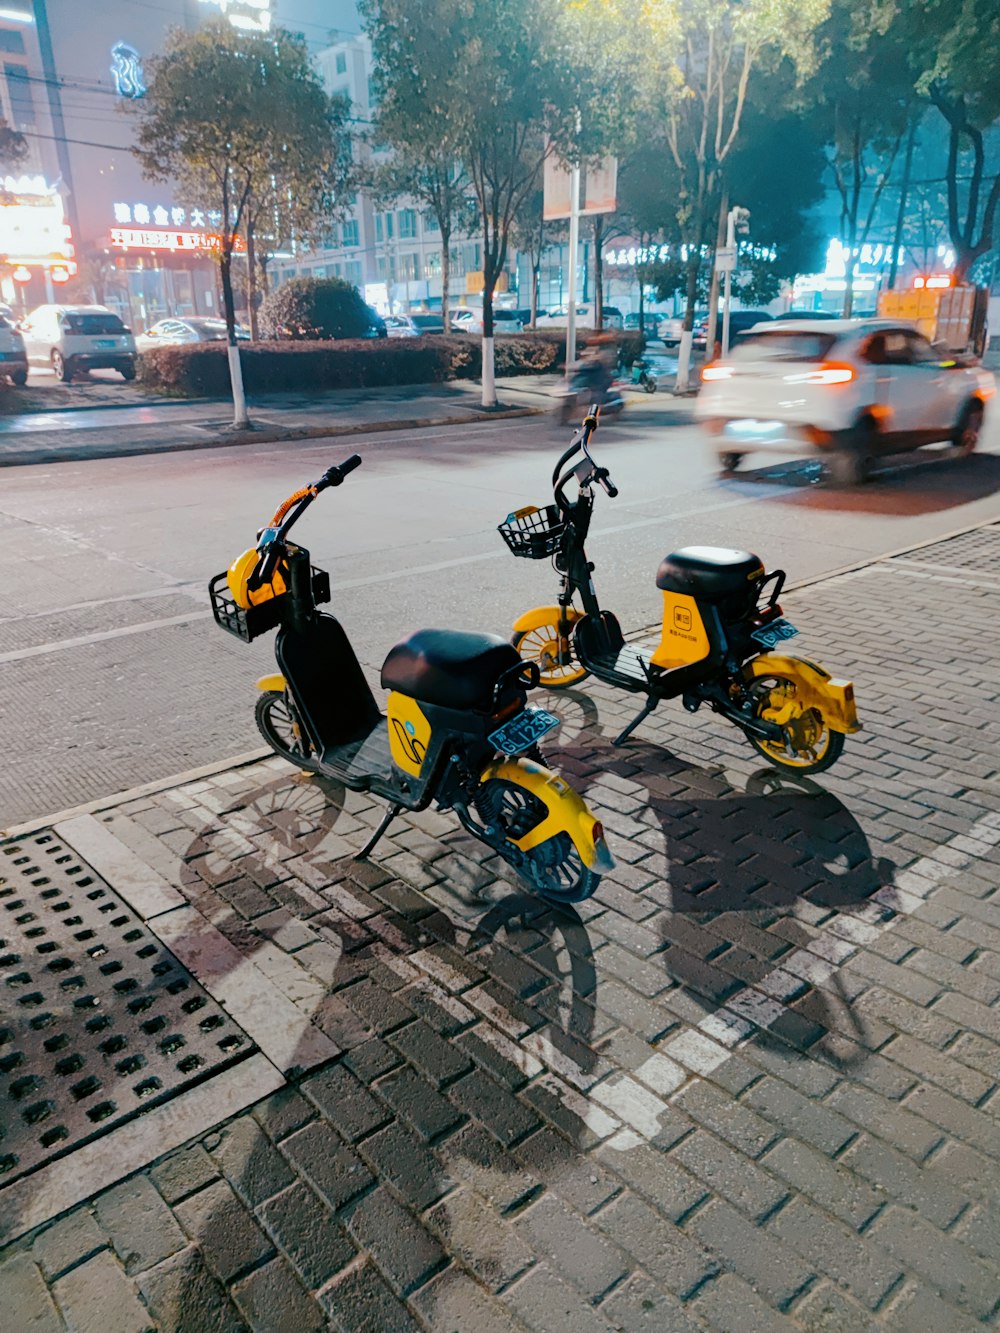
(845, 390)
(13, 357)
(400, 326)
(70, 338)
(177, 332)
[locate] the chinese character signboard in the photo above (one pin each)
(200, 242)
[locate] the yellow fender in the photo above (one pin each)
(545, 615)
(814, 688)
(276, 683)
(567, 811)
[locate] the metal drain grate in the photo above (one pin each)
(97, 1019)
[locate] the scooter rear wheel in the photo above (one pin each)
(811, 746)
(278, 723)
(541, 646)
(553, 869)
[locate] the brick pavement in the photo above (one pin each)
(751, 1085)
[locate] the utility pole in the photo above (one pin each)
(736, 219)
(574, 241)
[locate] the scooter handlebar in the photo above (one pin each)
(335, 475)
(605, 482)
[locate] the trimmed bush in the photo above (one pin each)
(273, 367)
(310, 308)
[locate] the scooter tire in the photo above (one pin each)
(833, 751)
(650, 385)
(275, 719)
(553, 870)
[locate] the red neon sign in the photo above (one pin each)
(136, 238)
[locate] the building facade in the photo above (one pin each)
(71, 73)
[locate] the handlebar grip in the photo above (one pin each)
(333, 476)
(605, 482)
(265, 569)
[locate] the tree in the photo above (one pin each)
(953, 50)
(228, 113)
(488, 74)
(722, 43)
(431, 175)
(530, 236)
(315, 308)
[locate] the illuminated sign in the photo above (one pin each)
(33, 226)
(126, 70)
(252, 15)
(160, 216)
(199, 242)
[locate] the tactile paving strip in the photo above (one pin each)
(975, 550)
(97, 1019)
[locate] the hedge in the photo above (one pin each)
(270, 367)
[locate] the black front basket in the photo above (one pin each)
(533, 533)
(257, 620)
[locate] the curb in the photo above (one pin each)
(88, 453)
(255, 756)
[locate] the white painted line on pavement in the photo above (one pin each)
(97, 1165)
(99, 636)
(283, 1032)
(145, 891)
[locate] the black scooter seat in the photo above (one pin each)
(448, 667)
(709, 572)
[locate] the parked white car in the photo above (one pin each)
(669, 331)
(467, 320)
(178, 332)
(846, 390)
(13, 357)
(400, 326)
(612, 317)
(70, 338)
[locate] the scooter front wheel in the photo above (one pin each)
(810, 745)
(554, 868)
(541, 646)
(279, 724)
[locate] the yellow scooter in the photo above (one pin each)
(457, 730)
(719, 632)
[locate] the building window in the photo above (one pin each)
(372, 93)
(408, 268)
(341, 62)
(11, 42)
(407, 224)
(319, 273)
(471, 254)
(382, 268)
(350, 232)
(455, 258)
(352, 272)
(22, 104)
(379, 229)
(430, 222)
(432, 264)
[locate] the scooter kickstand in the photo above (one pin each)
(651, 702)
(387, 819)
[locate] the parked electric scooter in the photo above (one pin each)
(719, 630)
(456, 731)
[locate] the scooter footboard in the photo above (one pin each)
(567, 811)
(814, 688)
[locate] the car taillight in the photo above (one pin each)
(711, 372)
(830, 372)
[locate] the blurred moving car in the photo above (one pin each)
(13, 357)
(178, 332)
(70, 338)
(467, 320)
(845, 390)
(739, 322)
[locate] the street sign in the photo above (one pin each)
(725, 259)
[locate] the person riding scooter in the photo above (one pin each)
(590, 380)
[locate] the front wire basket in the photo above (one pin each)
(533, 533)
(256, 620)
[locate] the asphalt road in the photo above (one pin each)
(115, 674)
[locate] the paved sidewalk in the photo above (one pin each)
(751, 1085)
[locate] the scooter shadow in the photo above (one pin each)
(782, 853)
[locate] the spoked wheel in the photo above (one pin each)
(542, 646)
(809, 745)
(279, 724)
(553, 869)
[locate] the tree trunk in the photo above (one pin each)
(713, 291)
(240, 419)
(599, 271)
(536, 268)
(445, 274)
(252, 278)
(687, 336)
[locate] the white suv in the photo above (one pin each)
(848, 389)
(79, 337)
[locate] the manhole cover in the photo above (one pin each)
(98, 1021)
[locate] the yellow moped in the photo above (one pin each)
(721, 626)
(456, 731)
